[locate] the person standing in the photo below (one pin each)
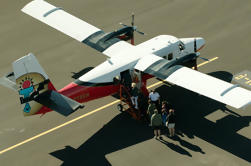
(155, 98)
(135, 94)
(171, 119)
(164, 112)
(150, 109)
(156, 123)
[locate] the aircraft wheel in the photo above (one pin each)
(120, 107)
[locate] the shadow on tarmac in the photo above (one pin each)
(191, 110)
(76, 75)
(122, 131)
(175, 148)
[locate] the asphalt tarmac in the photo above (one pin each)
(209, 133)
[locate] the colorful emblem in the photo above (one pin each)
(26, 89)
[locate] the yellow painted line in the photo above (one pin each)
(60, 126)
(210, 60)
(82, 116)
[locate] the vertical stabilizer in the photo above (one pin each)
(31, 80)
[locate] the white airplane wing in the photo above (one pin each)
(74, 27)
(195, 81)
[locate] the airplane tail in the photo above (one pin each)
(36, 90)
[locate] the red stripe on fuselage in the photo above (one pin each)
(86, 93)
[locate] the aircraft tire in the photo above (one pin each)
(120, 107)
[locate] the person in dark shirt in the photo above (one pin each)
(171, 119)
(150, 109)
(164, 111)
(156, 122)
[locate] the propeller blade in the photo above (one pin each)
(132, 19)
(142, 33)
(205, 59)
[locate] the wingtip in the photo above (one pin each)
(244, 107)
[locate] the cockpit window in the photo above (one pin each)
(170, 56)
(181, 46)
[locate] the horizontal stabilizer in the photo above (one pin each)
(9, 81)
(58, 102)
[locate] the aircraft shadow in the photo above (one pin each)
(78, 74)
(123, 131)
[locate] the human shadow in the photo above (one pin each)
(175, 148)
(188, 145)
(191, 110)
(78, 74)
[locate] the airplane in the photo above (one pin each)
(165, 57)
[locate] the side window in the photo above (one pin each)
(170, 56)
(181, 46)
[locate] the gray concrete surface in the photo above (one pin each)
(210, 133)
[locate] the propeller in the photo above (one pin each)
(205, 59)
(198, 56)
(133, 27)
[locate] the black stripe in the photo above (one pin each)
(162, 72)
(92, 84)
(101, 40)
(164, 68)
(195, 45)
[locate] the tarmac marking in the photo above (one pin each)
(82, 116)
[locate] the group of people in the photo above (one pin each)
(160, 115)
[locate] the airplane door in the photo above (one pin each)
(137, 78)
(126, 78)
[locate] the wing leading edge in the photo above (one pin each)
(198, 82)
(74, 27)
(57, 18)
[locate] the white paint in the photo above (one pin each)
(210, 87)
(161, 46)
(117, 48)
(146, 61)
(27, 64)
(60, 20)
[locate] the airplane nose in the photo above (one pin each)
(199, 44)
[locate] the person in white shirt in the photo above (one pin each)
(135, 94)
(155, 98)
